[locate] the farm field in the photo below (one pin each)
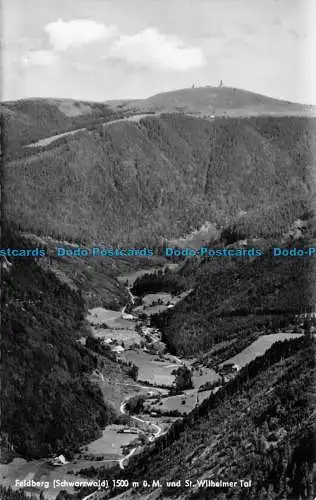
(184, 403)
(200, 378)
(113, 319)
(151, 297)
(164, 297)
(128, 336)
(110, 443)
(131, 277)
(154, 372)
(148, 310)
(259, 347)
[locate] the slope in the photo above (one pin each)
(237, 298)
(50, 404)
(138, 183)
(210, 100)
(95, 277)
(28, 120)
(259, 427)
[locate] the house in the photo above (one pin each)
(118, 349)
(229, 370)
(128, 316)
(107, 341)
(230, 367)
(128, 430)
(58, 461)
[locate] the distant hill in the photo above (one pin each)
(139, 182)
(214, 101)
(28, 120)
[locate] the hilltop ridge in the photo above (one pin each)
(162, 177)
(211, 100)
(31, 119)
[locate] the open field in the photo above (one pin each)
(259, 347)
(151, 297)
(129, 337)
(154, 372)
(112, 319)
(206, 375)
(165, 297)
(131, 277)
(110, 443)
(183, 403)
(151, 309)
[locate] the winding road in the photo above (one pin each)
(146, 422)
(48, 140)
(121, 461)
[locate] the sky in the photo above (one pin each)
(125, 49)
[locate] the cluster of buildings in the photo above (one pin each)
(58, 461)
(128, 430)
(228, 371)
(115, 347)
(128, 316)
(153, 338)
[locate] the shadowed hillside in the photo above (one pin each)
(28, 120)
(236, 299)
(95, 277)
(259, 427)
(138, 183)
(50, 404)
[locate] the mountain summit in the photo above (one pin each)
(216, 101)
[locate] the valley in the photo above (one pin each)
(160, 409)
(154, 367)
(143, 178)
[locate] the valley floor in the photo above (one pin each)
(155, 379)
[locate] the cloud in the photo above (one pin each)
(84, 67)
(39, 58)
(295, 34)
(157, 51)
(247, 29)
(78, 32)
(149, 48)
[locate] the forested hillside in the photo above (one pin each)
(28, 120)
(138, 183)
(259, 427)
(9, 494)
(96, 277)
(50, 405)
(237, 297)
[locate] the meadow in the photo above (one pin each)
(259, 347)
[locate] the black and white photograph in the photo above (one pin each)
(157, 249)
